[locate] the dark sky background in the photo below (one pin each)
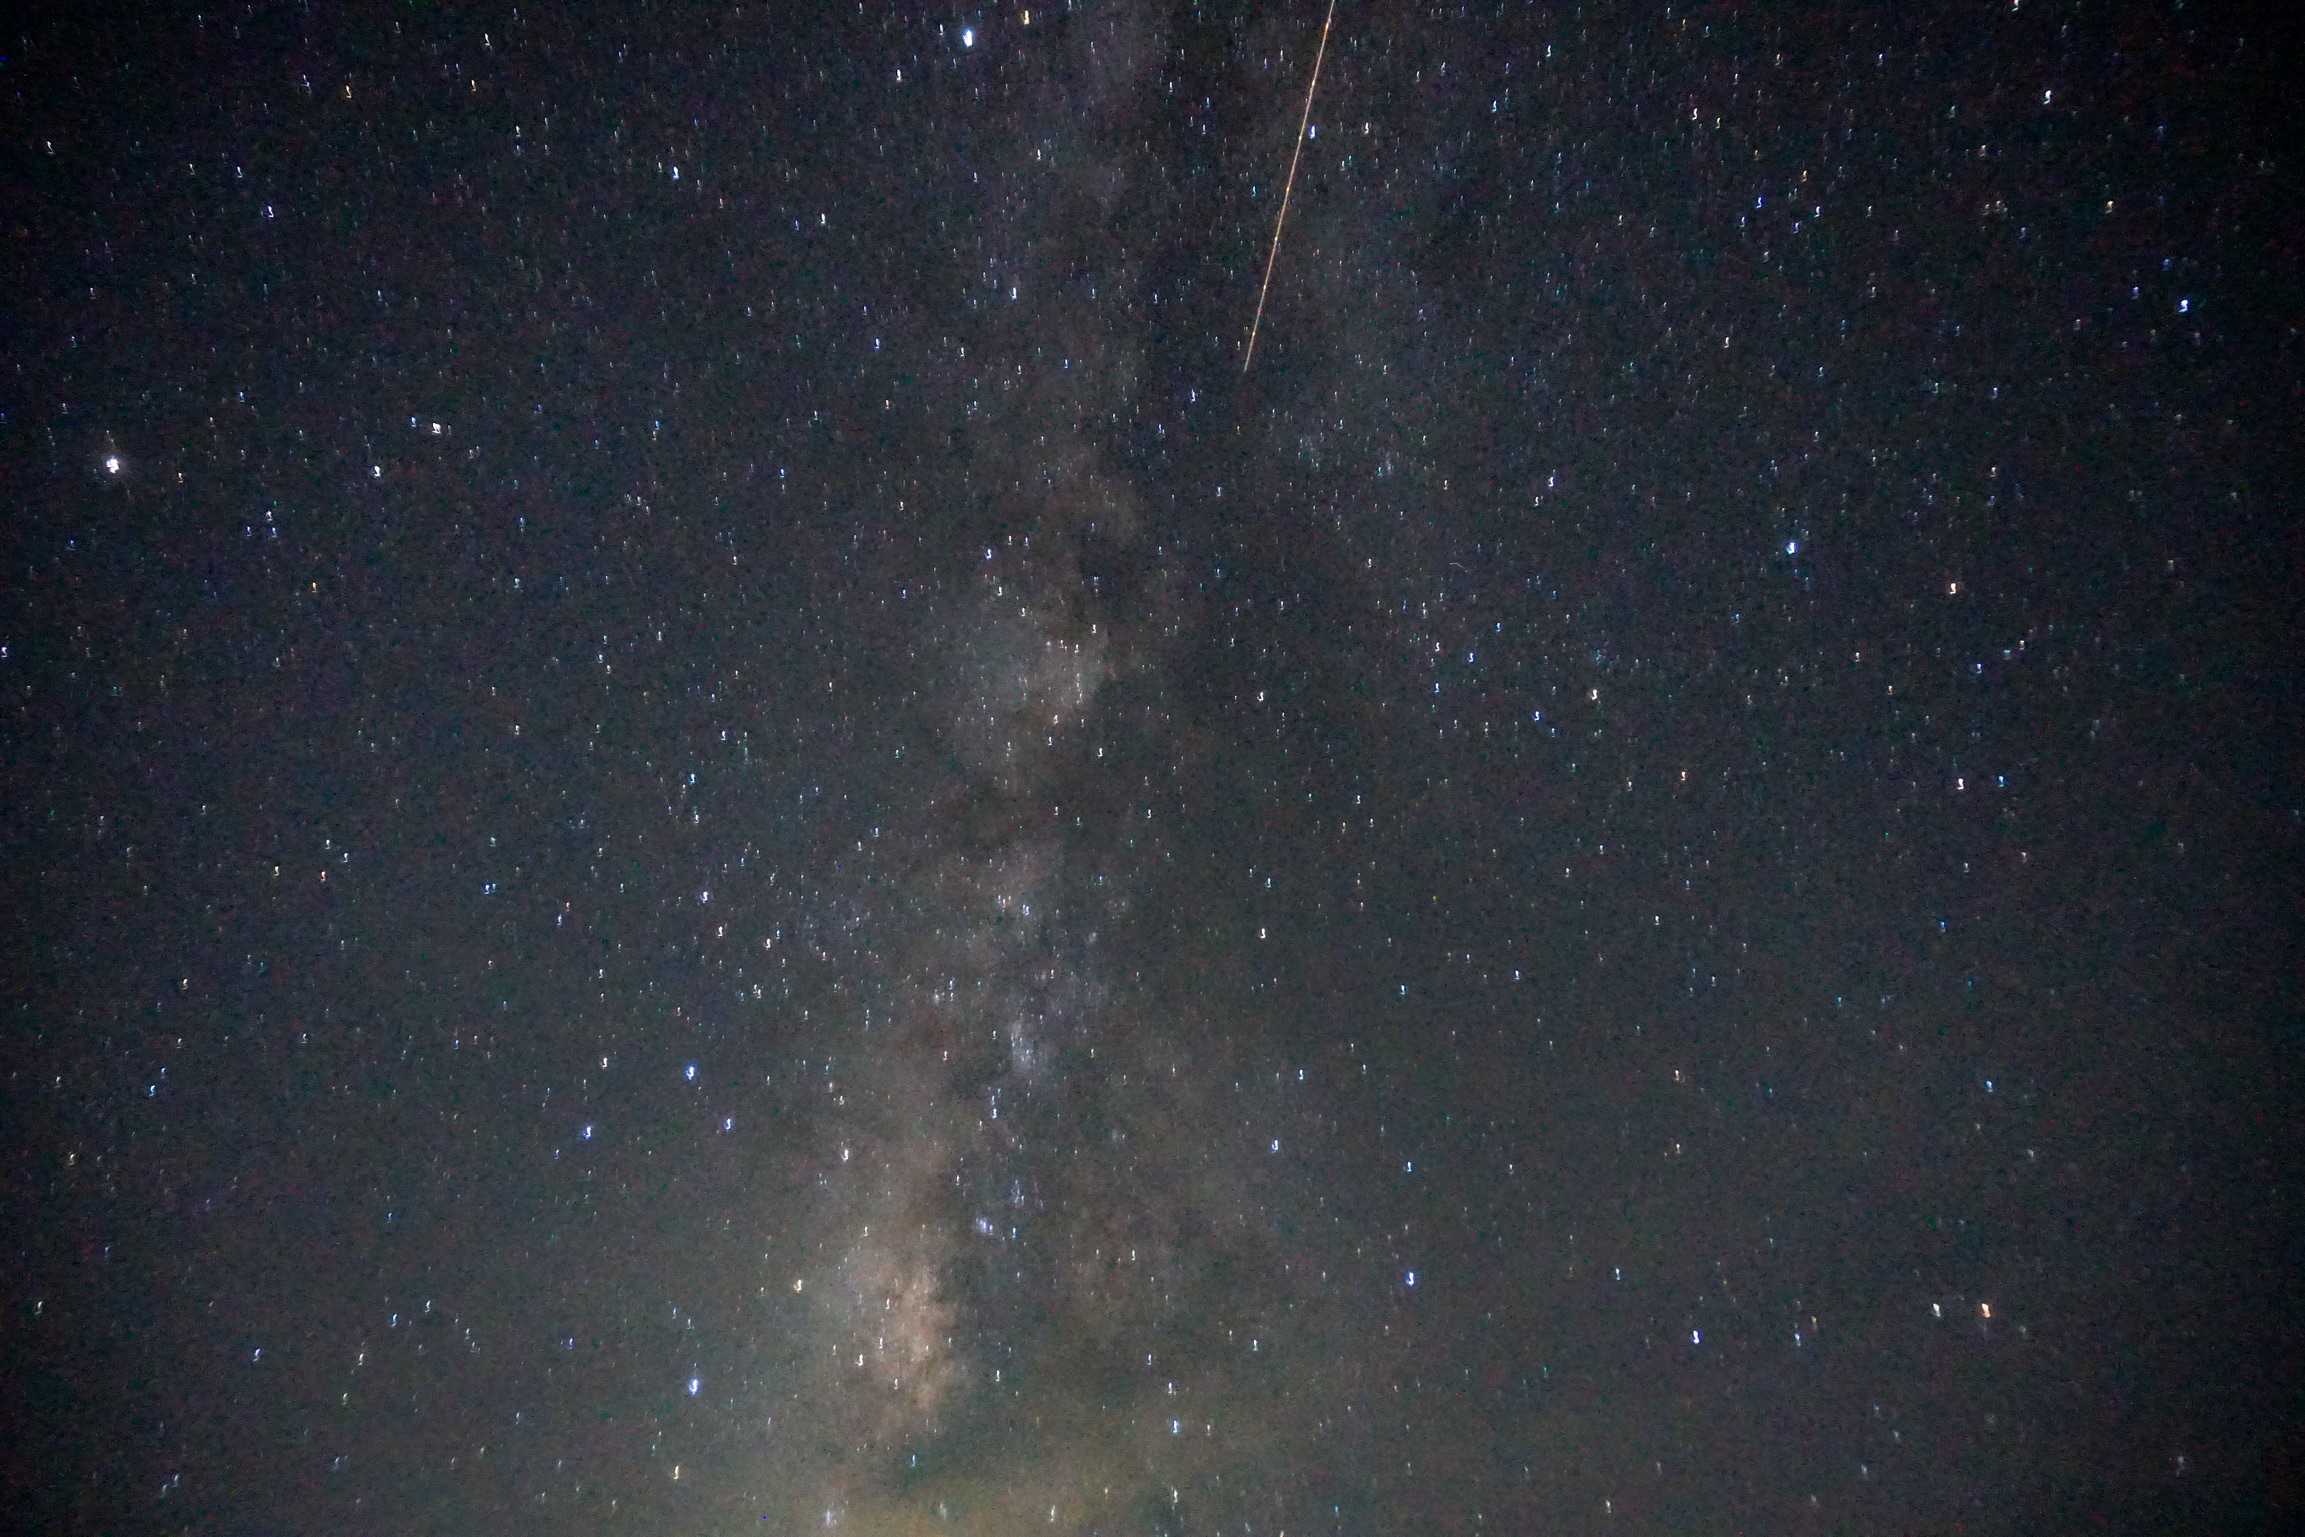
(709, 828)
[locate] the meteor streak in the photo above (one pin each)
(1289, 186)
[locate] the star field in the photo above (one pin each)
(712, 828)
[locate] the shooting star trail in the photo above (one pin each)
(1288, 187)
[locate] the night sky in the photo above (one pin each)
(710, 828)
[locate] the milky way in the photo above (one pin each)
(1033, 1273)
